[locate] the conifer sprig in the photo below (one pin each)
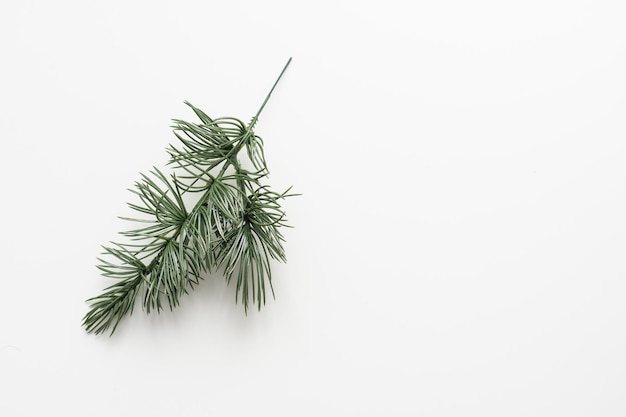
(232, 226)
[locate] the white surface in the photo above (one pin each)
(459, 249)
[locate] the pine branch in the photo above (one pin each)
(234, 224)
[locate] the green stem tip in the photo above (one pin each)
(258, 113)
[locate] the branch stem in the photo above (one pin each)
(256, 116)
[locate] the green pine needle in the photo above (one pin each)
(233, 226)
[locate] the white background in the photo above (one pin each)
(459, 248)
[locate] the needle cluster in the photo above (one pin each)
(233, 224)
